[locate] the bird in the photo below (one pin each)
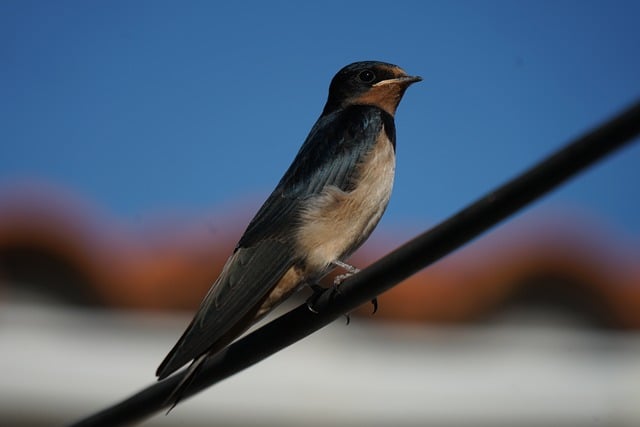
(325, 206)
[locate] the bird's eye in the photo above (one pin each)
(366, 76)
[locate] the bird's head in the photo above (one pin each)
(369, 83)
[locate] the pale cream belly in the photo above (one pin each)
(336, 222)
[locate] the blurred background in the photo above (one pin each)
(138, 139)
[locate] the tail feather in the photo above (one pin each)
(178, 392)
(230, 306)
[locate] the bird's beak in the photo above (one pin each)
(403, 80)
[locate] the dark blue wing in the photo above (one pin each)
(230, 306)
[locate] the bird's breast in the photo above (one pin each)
(335, 223)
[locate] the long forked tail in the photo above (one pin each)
(176, 395)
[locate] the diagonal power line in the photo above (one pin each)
(408, 259)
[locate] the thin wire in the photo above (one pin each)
(387, 272)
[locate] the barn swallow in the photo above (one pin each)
(324, 207)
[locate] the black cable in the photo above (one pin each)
(388, 271)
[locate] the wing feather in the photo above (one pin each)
(231, 302)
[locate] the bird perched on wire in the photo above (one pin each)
(324, 207)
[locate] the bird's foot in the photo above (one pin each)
(350, 271)
(347, 267)
(317, 291)
(311, 301)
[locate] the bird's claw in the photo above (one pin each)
(374, 302)
(335, 290)
(311, 308)
(317, 291)
(311, 301)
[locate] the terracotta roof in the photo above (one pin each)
(69, 251)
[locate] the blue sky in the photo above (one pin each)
(152, 108)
